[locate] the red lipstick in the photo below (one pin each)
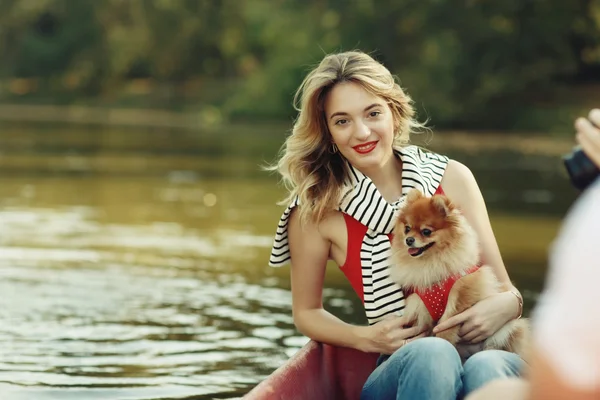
(365, 148)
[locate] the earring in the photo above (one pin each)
(333, 149)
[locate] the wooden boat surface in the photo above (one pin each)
(318, 371)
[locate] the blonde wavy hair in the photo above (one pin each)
(307, 166)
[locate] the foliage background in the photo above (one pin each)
(469, 64)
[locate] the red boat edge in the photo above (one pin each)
(318, 371)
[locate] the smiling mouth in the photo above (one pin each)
(417, 251)
(365, 148)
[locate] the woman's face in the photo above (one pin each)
(361, 124)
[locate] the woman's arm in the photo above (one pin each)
(310, 252)
(460, 186)
(486, 317)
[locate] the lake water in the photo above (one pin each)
(133, 264)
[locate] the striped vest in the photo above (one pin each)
(362, 201)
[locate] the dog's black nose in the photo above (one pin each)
(410, 241)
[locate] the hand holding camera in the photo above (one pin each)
(588, 135)
(583, 164)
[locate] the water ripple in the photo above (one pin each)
(125, 311)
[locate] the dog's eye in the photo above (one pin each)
(406, 229)
(426, 232)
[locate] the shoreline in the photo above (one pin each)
(139, 118)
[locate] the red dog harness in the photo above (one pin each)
(435, 297)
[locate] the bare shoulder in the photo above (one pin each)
(327, 236)
(457, 177)
(332, 224)
(460, 185)
(307, 243)
(299, 230)
(331, 221)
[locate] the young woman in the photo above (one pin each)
(348, 165)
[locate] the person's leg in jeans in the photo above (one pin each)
(428, 368)
(488, 365)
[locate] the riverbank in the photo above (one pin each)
(138, 118)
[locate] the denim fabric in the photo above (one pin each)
(430, 368)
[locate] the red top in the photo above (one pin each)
(435, 297)
(352, 268)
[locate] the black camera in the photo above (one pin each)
(580, 168)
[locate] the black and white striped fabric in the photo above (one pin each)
(362, 201)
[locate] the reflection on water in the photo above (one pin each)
(136, 292)
(152, 283)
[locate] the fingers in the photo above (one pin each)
(411, 332)
(410, 339)
(594, 116)
(479, 339)
(421, 335)
(473, 331)
(589, 139)
(398, 336)
(452, 321)
(586, 128)
(593, 119)
(465, 328)
(407, 335)
(393, 334)
(474, 336)
(469, 335)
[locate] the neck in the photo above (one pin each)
(387, 178)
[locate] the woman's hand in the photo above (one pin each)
(588, 135)
(483, 319)
(389, 334)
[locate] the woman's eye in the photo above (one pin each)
(374, 113)
(341, 122)
(426, 232)
(406, 229)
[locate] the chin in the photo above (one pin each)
(372, 160)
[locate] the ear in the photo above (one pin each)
(442, 204)
(413, 195)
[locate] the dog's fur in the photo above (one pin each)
(453, 249)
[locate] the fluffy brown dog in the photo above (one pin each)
(435, 259)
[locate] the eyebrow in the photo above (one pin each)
(335, 114)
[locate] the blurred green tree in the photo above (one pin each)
(467, 63)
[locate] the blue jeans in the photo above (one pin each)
(430, 368)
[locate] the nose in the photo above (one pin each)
(410, 241)
(362, 131)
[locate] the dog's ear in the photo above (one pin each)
(413, 195)
(442, 204)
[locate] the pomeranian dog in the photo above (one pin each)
(436, 260)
